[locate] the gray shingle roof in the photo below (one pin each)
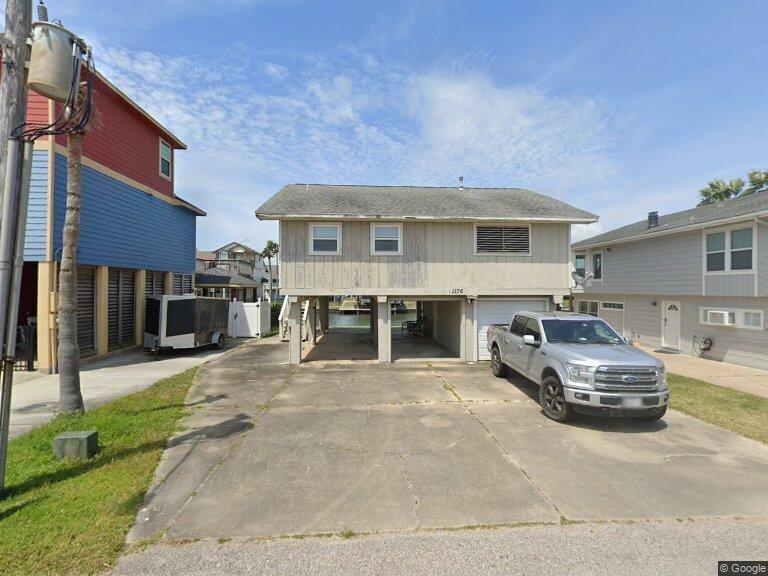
(701, 215)
(218, 277)
(353, 201)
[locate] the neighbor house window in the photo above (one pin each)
(730, 250)
(734, 317)
(166, 159)
(612, 305)
(325, 239)
(580, 264)
(716, 252)
(512, 240)
(588, 307)
(386, 239)
(741, 249)
(597, 266)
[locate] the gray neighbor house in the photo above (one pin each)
(468, 256)
(680, 280)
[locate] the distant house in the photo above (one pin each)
(671, 279)
(232, 271)
(470, 257)
(137, 235)
(219, 283)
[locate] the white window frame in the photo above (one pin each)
(504, 225)
(576, 255)
(160, 159)
(578, 306)
(399, 226)
(727, 230)
(739, 312)
(592, 265)
(604, 307)
(338, 227)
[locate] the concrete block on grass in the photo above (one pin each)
(76, 445)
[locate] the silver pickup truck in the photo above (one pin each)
(580, 364)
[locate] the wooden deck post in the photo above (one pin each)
(384, 329)
(312, 321)
(324, 314)
(294, 330)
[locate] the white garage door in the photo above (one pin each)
(500, 312)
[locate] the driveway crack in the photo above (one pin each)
(509, 456)
(411, 491)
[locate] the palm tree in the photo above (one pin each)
(70, 396)
(270, 251)
(718, 190)
(758, 182)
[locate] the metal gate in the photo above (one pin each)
(86, 309)
(121, 308)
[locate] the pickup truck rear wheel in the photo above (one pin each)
(499, 369)
(552, 400)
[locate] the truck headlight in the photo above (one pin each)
(661, 377)
(580, 373)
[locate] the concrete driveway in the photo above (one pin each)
(273, 450)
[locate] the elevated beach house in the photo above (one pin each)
(694, 281)
(469, 256)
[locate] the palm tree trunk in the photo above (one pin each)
(271, 292)
(70, 396)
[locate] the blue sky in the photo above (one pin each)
(616, 107)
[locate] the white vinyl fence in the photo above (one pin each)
(249, 319)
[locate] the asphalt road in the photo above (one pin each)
(690, 547)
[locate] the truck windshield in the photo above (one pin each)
(580, 332)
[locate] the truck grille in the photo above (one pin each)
(626, 379)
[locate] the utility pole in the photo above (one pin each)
(15, 169)
(13, 86)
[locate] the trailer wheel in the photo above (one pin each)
(220, 341)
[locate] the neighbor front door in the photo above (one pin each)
(670, 325)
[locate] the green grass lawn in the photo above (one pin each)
(745, 414)
(71, 517)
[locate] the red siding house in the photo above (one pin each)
(137, 235)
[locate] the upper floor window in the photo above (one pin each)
(325, 239)
(597, 266)
(512, 240)
(386, 239)
(580, 264)
(729, 250)
(166, 159)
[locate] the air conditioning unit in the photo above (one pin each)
(720, 317)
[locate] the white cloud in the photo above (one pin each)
(355, 120)
(275, 71)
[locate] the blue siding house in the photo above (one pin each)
(137, 237)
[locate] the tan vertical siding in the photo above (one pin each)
(436, 256)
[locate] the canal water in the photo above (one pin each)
(353, 320)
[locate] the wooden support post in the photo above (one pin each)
(384, 329)
(102, 310)
(168, 283)
(324, 314)
(312, 321)
(294, 330)
(139, 290)
(47, 306)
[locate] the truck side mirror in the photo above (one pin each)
(630, 341)
(529, 340)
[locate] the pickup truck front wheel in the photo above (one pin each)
(499, 369)
(552, 400)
